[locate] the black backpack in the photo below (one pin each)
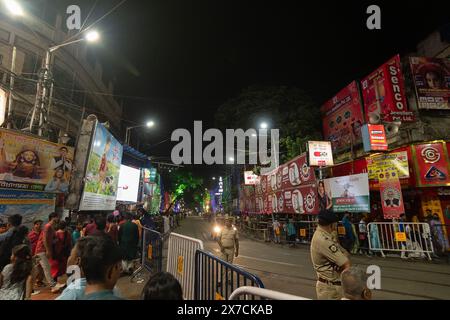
(18, 237)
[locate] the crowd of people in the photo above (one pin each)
(354, 234)
(93, 253)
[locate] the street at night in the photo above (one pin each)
(290, 270)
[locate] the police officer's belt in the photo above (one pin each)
(334, 283)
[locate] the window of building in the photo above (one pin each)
(4, 35)
(31, 64)
(78, 94)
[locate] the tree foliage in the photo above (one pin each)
(184, 185)
(291, 110)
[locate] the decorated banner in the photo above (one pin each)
(102, 174)
(382, 162)
(30, 205)
(431, 78)
(32, 164)
(431, 164)
(290, 188)
(349, 193)
(391, 194)
(342, 117)
(384, 94)
(300, 200)
(291, 174)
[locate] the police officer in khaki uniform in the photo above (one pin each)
(229, 242)
(328, 257)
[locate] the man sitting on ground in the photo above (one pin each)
(354, 284)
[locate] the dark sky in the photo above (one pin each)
(185, 58)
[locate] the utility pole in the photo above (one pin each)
(11, 88)
(44, 86)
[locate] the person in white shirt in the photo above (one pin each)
(276, 230)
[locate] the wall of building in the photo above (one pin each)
(78, 76)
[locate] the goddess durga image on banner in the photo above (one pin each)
(26, 163)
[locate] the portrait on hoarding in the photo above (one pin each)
(391, 198)
(325, 202)
(297, 202)
(58, 183)
(294, 174)
(273, 181)
(274, 203)
(431, 77)
(34, 164)
(281, 203)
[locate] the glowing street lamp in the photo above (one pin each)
(14, 7)
(92, 36)
(148, 124)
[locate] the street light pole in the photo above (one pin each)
(44, 90)
(41, 94)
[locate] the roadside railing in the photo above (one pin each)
(262, 294)
(181, 261)
(411, 240)
(216, 279)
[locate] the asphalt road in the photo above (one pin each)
(290, 270)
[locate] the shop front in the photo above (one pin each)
(423, 171)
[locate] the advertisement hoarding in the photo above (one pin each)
(384, 96)
(374, 137)
(320, 154)
(288, 189)
(342, 117)
(349, 193)
(129, 180)
(431, 77)
(289, 175)
(391, 194)
(32, 164)
(102, 173)
(431, 164)
(30, 205)
(381, 162)
(250, 178)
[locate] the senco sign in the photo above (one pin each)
(384, 94)
(320, 154)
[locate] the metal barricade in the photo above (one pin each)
(306, 230)
(181, 261)
(256, 233)
(411, 240)
(263, 294)
(216, 279)
(152, 252)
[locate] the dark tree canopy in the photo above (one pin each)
(291, 110)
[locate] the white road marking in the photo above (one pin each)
(271, 261)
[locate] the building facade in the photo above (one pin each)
(82, 86)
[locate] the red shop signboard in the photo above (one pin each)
(431, 163)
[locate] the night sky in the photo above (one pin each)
(177, 61)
